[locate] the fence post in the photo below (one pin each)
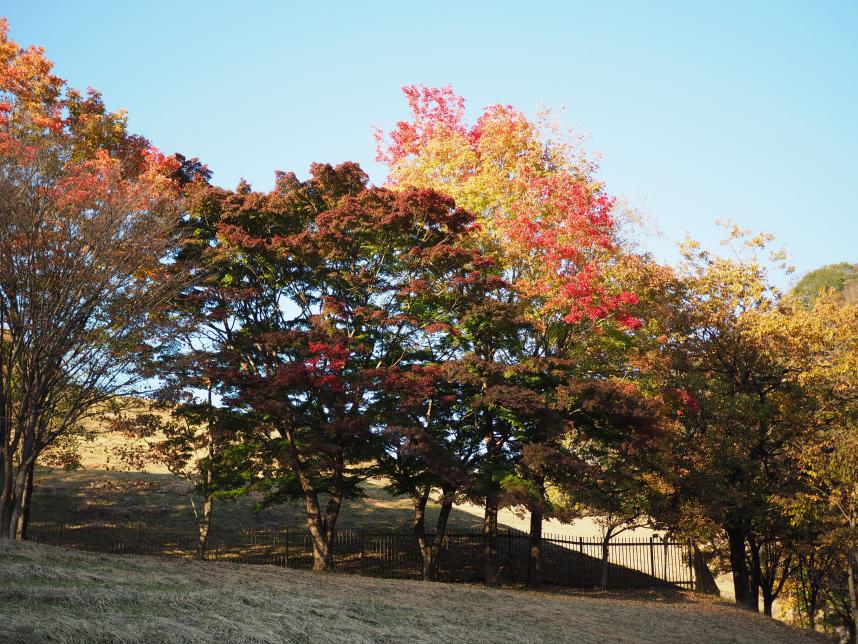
(287, 546)
(382, 553)
(652, 554)
(509, 549)
(692, 573)
(274, 547)
(362, 550)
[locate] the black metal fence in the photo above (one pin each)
(566, 561)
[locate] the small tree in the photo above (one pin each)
(197, 442)
(615, 436)
(818, 345)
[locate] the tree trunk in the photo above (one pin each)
(7, 496)
(739, 567)
(430, 565)
(853, 592)
(756, 572)
(320, 528)
(418, 527)
(809, 587)
(603, 579)
(24, 515)
(205, 521)
(323, 556)
(490, 545)
(768, 601)
(534, 559)
(429, 548)
(204, 526)
(704, 579)
(16, 527)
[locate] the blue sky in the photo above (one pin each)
(700, 110)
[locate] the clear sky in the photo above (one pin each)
(700, 110)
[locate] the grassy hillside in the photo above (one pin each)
(104, 490)
(57, 595)
(161, 499)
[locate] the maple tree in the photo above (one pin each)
(432, 439)
(544, 218)
(88, 213)
(335, 287)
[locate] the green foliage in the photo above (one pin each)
(835, 277)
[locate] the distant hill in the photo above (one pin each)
(841, 278)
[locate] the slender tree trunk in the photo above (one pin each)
(756, 572)
(418, 527)
(205, 522)
(606, 541)
(320, 529)
(429, 548)
(777, 569)
(809, 589)
(24, 515)
(491, 574)
(430, 565)
(332, 513)
(17, 522)
(534, 559)
(204, 526)
(852, 564)
(490, 545)
(7, 496)
(739, 568)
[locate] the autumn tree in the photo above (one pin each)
(819, 345)
(195, 440)
(541, 215)
(88, 220)
(334, 282)
(432, 442)
(732, 457)
(184, 425)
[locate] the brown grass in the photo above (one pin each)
(50, 594)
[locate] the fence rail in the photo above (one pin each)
(566, 561)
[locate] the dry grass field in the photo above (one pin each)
(52, 594)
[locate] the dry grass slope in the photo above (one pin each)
(56, 595)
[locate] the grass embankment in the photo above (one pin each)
(51, 594)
